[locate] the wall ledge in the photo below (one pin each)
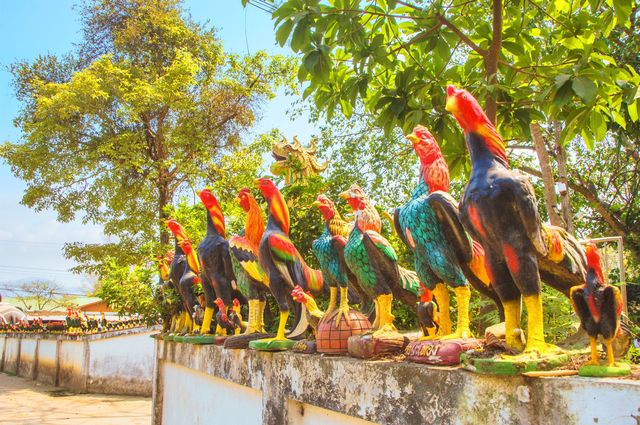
(391, 392)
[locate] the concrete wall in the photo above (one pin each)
(293, 389)
(119, 362)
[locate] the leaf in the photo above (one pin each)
(561, 79)
(632, 108)
(563, 95)
(572, 43)
(282, 34)
(584, 88)
(623, 11)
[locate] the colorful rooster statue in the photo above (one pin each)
(313, 312)
(330, 254)
(443, 252)
(284, 265)
(598, 305)
(217, 270)
(499, 209)
(373, 261)
(252, 281)
(189, 277)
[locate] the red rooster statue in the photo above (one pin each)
(188, 278)
(499, 209)
(252, 281)
(285, 267)
(217, 271)
(598, 305)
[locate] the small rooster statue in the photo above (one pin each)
(217, 270)
(443, 252)
(499, 209)
(372, 260)
(598, 305)
(313, 312)
(284, 265)
(189, 278)
(252, 280)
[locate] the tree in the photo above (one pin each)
(147, 106)
(39, 294)
(530, 61)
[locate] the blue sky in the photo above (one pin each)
(31, 242)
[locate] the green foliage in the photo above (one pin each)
(551, 61)
(129, 290)
(146, 107)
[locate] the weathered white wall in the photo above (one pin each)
(71, 360)
(27, 364)
(47, 361)
(302, 389)
(119, 362)
(197, 399)
(308, 414)
(11, 355)
(128, 357)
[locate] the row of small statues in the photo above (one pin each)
(492, 240)
(76, 322)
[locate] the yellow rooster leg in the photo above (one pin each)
(254, 322)
(284, 315)
(343, 309)
(206, 321)
(385, 324)
(595, 357)
(188, 322)
(333, 299)
(463, 295)
(512, 313)
(220, 331)
(262, 305)
(441, 293)
(172, 326)
(611, 360)
(535, 326)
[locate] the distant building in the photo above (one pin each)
(58, 310)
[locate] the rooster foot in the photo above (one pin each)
(464, 334)
(343, 312)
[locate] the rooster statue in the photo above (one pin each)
(185, 272)
(443, 252)
(285, 267)
(217, 271)
(313, 312)
(330, 254)
(252, 280)
(373, 261)
(598, 305)
(499, 209)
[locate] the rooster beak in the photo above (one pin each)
(451, 99)
(198, 192)
(413, 138)
(345, 195)
(316, 204)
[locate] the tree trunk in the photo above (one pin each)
(561, 160)
(163, 201)
(491, 60)
(547, 175)
(612, 218)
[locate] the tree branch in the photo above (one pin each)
(466, 40)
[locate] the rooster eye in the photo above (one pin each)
(464, 96)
